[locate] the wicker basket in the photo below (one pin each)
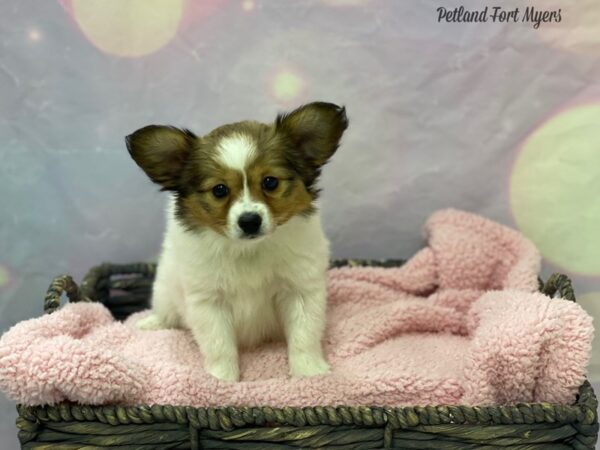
(125, 289)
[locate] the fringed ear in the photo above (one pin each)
(161, 152)
(314, 130)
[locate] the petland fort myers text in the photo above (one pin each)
(499, 14)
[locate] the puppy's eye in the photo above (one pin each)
(220, 191)
(270, 183)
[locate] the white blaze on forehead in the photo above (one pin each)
(236, 151)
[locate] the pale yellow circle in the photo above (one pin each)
(4, 276)
(34, 35)
(578, 30)
(287, 85)
(590, 298)
(128, 27)
(248, 5)
(555, 189)
(345, 2)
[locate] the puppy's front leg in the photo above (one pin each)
(212, 327)
(303, 315)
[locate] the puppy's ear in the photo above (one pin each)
(161, 152)
(314, 129)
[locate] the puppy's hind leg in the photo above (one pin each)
(164, 311)
(151, 322)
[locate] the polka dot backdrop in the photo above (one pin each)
(498, 119)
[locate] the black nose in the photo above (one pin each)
(250, 223)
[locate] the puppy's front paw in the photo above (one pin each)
(152, 322)
(308, 365)
(223, 371)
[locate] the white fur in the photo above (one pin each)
(236, 151)
(236, 293)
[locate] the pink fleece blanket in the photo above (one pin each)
(460, 322)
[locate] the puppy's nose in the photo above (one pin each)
(250, 223)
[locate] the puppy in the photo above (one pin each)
(244, 257)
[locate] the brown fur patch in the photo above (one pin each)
(289, 198)
(201, 208)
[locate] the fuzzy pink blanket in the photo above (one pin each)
(460, 322)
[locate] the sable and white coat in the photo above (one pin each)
(232, 284)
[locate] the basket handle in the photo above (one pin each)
(561, 284)
(62, 284)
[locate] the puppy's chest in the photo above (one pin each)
(246, 275)
(251, 293)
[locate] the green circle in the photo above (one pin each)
(287, 85)
(555, 189)
(4, 276)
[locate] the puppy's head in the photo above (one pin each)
(244, 179)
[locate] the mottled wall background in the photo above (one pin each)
(497, 118)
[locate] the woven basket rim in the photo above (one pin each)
(228, 418)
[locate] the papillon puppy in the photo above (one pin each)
(244, 256)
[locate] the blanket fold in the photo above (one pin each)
(459, 323)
